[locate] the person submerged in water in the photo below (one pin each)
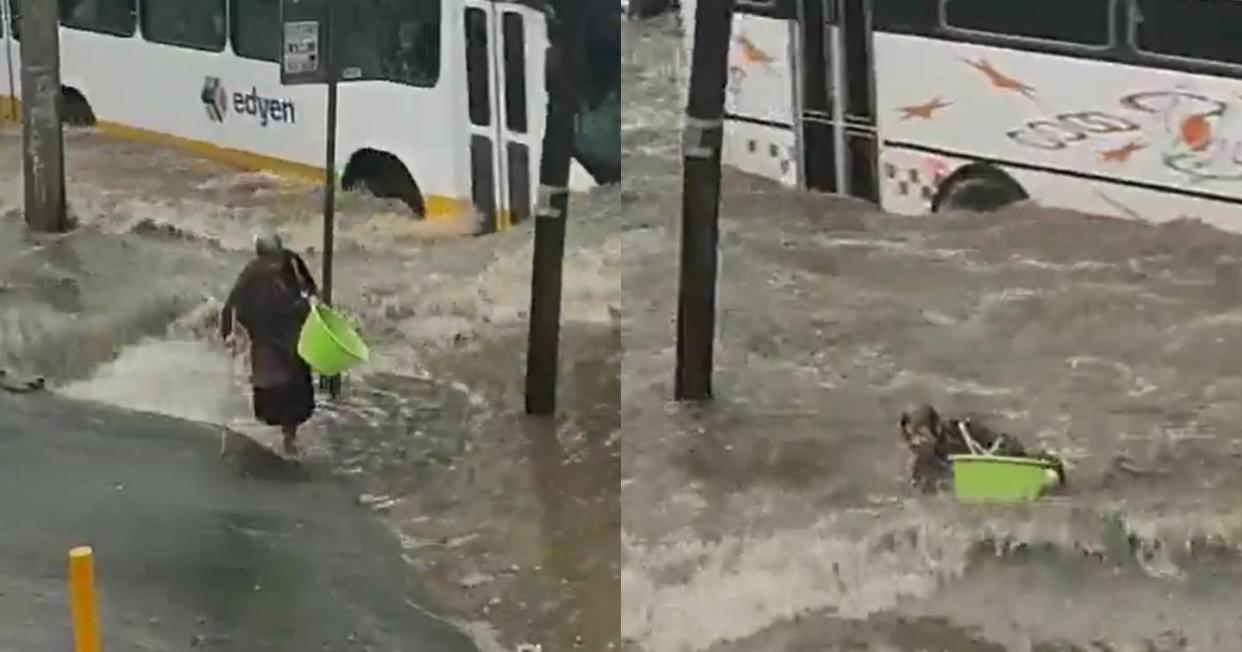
(932, 440)
(270, 301)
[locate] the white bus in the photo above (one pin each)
(1128, 108)
(445, 108)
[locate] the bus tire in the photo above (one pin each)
(383, 175)
(75, 110)
(977, 187)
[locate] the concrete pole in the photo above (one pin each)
(543, 341)
(700, 208)
(42, 140)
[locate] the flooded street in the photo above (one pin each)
(509, 524)
(777, 519)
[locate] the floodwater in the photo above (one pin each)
(777, 519)
(512, 523)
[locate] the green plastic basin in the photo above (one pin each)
(996, 479)
(329, 343)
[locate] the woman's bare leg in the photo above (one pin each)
(291, 435)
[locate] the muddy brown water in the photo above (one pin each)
(510, 523)
(777, 519)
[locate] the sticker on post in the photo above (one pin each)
(543, 202)
(301, 47)
(695, 142)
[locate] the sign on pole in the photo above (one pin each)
(304, 52)
(301, 48)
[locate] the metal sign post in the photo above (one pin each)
(307, 58)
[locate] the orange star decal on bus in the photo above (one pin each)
(1121, 154)
(1000, 80)
(924, 111)
(752, 53)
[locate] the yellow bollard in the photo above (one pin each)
(82, 600)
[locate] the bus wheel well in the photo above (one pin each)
(980, 187)
(382, 174)
(76, 111)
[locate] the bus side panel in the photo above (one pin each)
(687, 48)
(9, 62)
(761, 88)
(1101, 126)
(224, 103)
(537, 102)
(211, 97)
(419, 126)
(759, 105)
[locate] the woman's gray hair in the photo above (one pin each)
(268, 243)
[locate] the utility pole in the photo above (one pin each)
(700, 207)
(43, 144)
(543, 344)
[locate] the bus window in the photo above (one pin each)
(905, 14)
(256, 29)
(1081, 22)
(774, 8)
(515, 72)
(15, 18)
(118, 17)
(478, 73)
(197, 24)
(1194, 30)
(389, 40)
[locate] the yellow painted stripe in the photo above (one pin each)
(232, 157)
(439, 207)
(10, 109)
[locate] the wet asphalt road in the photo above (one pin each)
(189, 554)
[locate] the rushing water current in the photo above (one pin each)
(777, 518)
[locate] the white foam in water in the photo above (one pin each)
(190, 380)
(690, 594)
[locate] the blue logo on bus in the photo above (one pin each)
(217, 100)
(214, 99)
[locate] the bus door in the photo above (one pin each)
(500, 130)
(840, 142)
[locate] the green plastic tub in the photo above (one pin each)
(329, 343)
(997, 479)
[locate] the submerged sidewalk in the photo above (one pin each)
(189, 552)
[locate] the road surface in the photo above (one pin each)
(189, 553)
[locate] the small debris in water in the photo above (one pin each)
(368, 500)
(460, 541)
(475, 579)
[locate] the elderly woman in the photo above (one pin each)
(932, 440)
(270, 301)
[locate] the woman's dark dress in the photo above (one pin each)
(268, 301)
